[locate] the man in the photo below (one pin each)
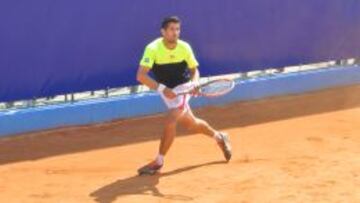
(175, 70)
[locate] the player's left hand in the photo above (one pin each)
(196, 88)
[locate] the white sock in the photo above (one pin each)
(160, 159)
(217, 136)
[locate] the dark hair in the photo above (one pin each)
(171, 19)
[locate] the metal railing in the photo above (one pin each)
(113, 92)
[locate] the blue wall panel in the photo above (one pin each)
(50, 47)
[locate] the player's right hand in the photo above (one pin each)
(169, 93)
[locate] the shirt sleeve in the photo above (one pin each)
(190, 59)
(148, 58)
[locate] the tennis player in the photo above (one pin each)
(175, 70)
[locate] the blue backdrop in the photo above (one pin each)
(50, 47)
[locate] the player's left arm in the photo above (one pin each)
(194, 74)
(195, 78)
(194, 70)
(192, 64)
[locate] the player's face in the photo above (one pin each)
(172, 32)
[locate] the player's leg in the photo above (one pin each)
(165, 142)
(201, 126)
(169, 130)
(198, 125)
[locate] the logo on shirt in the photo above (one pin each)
(146, 60)
(172, 56)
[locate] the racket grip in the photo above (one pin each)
(195, 83)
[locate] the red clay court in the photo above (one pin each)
(299, 148)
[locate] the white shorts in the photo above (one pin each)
(181, 101)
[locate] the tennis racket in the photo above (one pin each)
(213, 88)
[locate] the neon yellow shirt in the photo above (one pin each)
(170, 66)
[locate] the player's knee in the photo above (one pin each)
(174, 114)
(170, 123)
(189, 125)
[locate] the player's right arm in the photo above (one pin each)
(143, 77)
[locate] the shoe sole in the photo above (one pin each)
(143, 172)
(226, 147)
